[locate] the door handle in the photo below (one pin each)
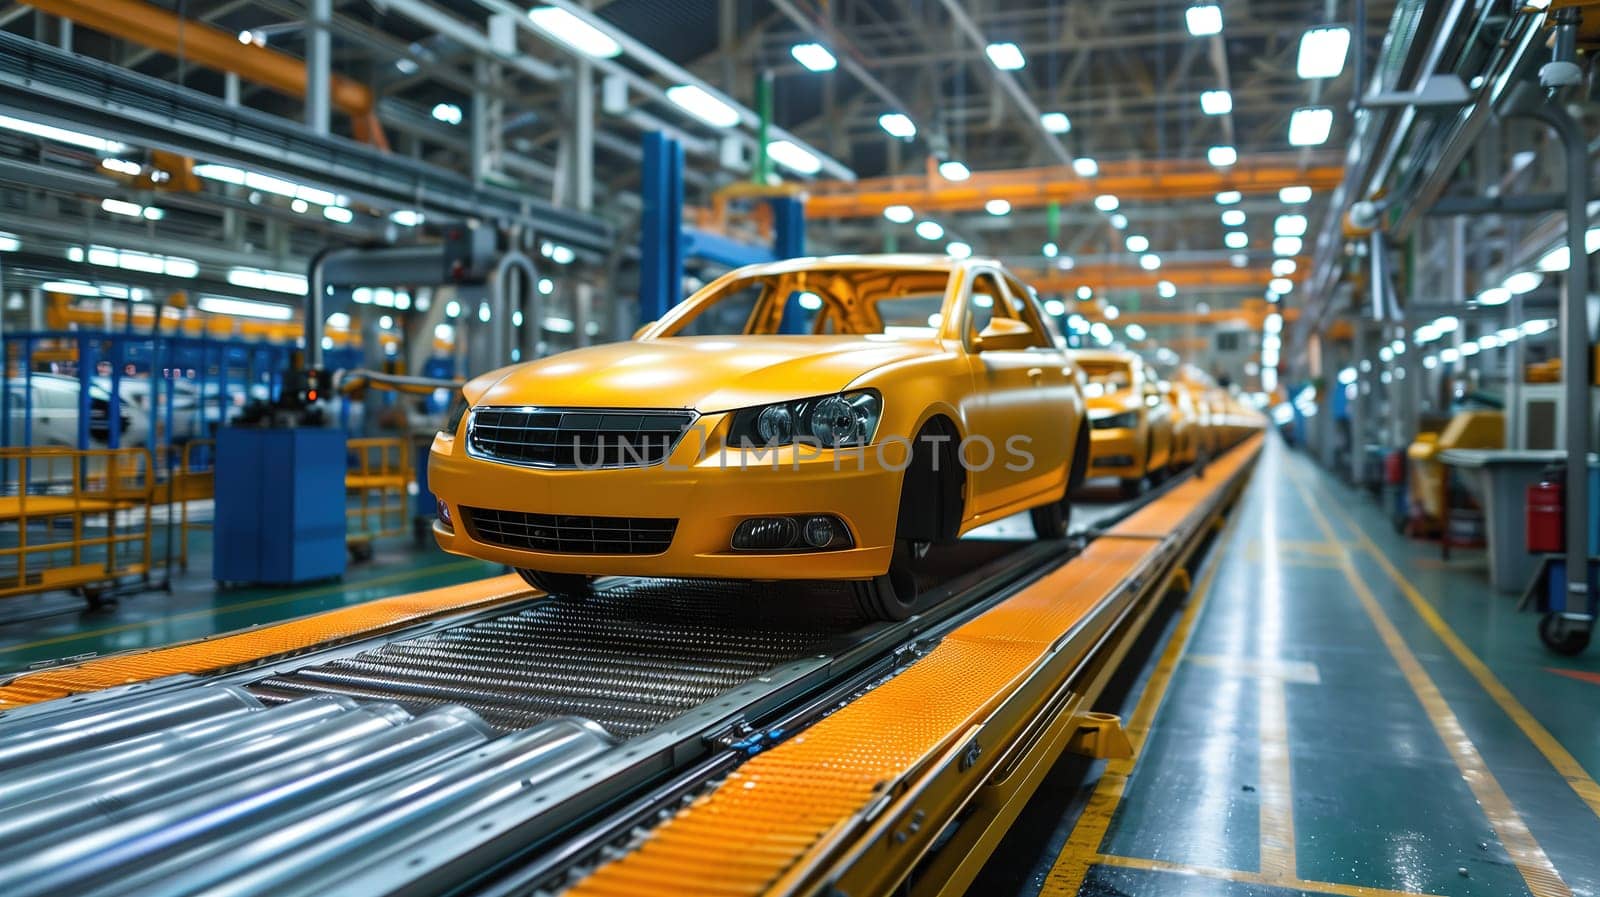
(1035, 374)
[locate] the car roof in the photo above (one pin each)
(1105, 355)
(905, 261)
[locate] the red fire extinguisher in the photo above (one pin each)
(1546, 518)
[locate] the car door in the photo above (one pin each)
(1003, 413)
(1057, 408)
(55, 412)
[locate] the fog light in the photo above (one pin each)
(766, 534)
(444, 513)
(820, 532)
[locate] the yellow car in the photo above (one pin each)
(1188, 425)
(1131, 423)
(822, 418)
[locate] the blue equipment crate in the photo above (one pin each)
(1554, 597)
(280, 505)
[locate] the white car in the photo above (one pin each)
(55, 411)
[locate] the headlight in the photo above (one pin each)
(458, 410)
(836, 421)
(1127, 420)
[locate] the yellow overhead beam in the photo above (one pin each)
(1122, 277)
(162, 30)
(1161, 179)
(1252, 313)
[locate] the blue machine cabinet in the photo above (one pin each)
(280, 505)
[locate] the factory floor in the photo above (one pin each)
(36, 630)
(1335, 710)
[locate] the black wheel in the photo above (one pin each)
(893, 595)
(571, 585)
(1054, 520)
(1132, 487)
(1564, 636)
(361, 551)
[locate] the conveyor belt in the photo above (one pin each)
(631, 657)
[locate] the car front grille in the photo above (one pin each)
(575, 438)
(571, 533)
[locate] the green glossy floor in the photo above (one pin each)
(37, 630)
(1340, 712)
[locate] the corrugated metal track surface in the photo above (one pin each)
(630, 658)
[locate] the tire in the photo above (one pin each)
(1132, 487)
(1562, 636)
(1054, 520)
(570, 585)
(892, 596)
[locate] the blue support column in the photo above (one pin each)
(661, 230)
(789, 227)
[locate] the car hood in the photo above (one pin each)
(701, 372)
(1116, 403)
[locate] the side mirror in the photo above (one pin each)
(1005, 335)
(642, 328)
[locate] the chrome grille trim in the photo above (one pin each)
(571, 533)
(575, 438)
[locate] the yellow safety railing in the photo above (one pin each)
(378, 490)
(55, 497)
(194, 480)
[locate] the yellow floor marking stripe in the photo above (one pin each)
(1537, 871)
(1563, 761)
(1276, 814)
(1251, 878)
(1082, 849)
(247, 605)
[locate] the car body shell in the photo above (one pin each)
(1132, 452)
(709, 485)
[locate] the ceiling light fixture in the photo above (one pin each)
(814, 57)
(1203, 19)
(1006, 56)
(898, 124)
(1322, 52)
(794, 157)
(1222, 156)
(1056, 122)
(1216, 102)
(574, 32)
(1310, 126)
(700, 103)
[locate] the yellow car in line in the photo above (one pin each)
(1130, 421)
(1188, 422)
(821, 418)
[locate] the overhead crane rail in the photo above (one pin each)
(1156, 180)
(823, 750)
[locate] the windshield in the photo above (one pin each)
(1110, 376)
(901, 302)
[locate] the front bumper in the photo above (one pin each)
(1115, 453)
(707, 492)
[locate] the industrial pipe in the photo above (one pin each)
(96, 802)
(104, 854)
(19, 747)
(159, 29)
(308, 855)
(120, 759)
